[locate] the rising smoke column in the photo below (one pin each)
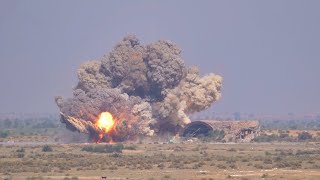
(148, 89)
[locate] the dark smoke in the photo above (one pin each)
(148, 89)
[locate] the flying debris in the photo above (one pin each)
(137, 90)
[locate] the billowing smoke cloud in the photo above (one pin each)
(148, 89)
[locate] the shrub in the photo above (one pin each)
(232, 150)
(161, 166)
(196, 166)
(233, 166)
(117, 148)
(99, 148)
(267, 161)
(20, 155)
(45, 169)
(266, 138)
(113, 167)
(221, 166)
(21, 150)
(87, 148)
(300, 152)
(4, 134)
(116, 155)
(114, 148)
(131, 147)
(258, 166)
(304, 136)
(284, 135)
(267, 153)
(166, 177)
(47, 148)
(244, 160)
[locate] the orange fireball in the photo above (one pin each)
(105, 122)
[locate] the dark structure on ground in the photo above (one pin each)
(243, 131)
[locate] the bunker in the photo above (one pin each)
(243, 131)
(196, 128)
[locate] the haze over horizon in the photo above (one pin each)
(267, 52)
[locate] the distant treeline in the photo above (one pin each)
(284, 136)
(291, 124)
(30, 123)
(53, 122)
(45, 125)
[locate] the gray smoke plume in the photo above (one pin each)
(148, 89)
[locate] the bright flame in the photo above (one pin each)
(99, 138)
(111, 142)
(105, 122)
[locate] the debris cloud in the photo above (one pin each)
(148, 90)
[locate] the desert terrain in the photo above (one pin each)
(160, 161)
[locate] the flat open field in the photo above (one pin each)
(163, 161)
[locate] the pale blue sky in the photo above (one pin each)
(267, 51)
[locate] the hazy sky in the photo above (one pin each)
(267, 51)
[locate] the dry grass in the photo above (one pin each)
(164, 161)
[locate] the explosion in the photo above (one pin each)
(105, 122)
(137, 90)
